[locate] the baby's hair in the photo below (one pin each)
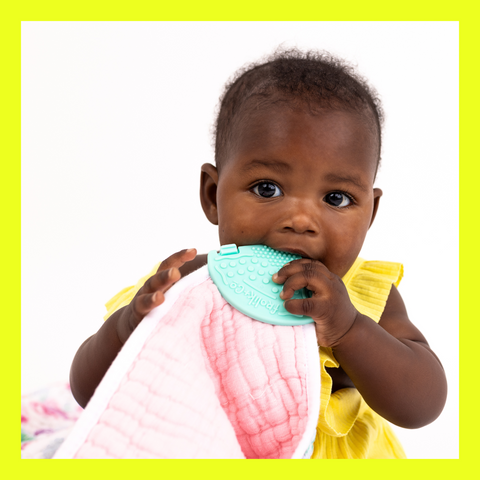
(313, 80)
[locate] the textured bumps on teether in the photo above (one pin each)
(243, 276)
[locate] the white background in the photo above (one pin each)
(116, 121)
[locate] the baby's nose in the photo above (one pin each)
(301, 218)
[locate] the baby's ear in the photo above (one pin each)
(377, 193)
(208, 192)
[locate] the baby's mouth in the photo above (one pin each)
(296, 251)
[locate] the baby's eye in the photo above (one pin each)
(338, 199)
(267, 190)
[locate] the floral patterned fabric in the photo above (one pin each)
(48, 415)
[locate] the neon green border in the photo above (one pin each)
(12, 15)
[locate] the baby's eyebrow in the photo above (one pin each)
(272, 164)
(335, 177)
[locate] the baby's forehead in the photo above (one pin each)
(275, 132)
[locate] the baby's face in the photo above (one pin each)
(302, 184)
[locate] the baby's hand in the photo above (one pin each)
(330, 306)
(151, 295)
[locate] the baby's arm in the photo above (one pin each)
(390, 363)
(96, 354)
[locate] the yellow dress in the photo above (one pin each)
(347, 426)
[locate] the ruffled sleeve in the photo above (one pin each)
(125, 296)
(368, 284)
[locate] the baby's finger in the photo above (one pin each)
(313, 279)
(289, 269)
(144, 304)
(304, 265)
(178, 259)
(162, 280)
(311, 307)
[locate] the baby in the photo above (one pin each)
(298, 141)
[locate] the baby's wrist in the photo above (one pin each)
(333, 332)
(353, 335)
(347, 330)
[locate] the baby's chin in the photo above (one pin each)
(342, 270)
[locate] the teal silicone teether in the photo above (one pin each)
(243, 276)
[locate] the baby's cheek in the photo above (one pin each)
(235, 232)
(242, 228)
